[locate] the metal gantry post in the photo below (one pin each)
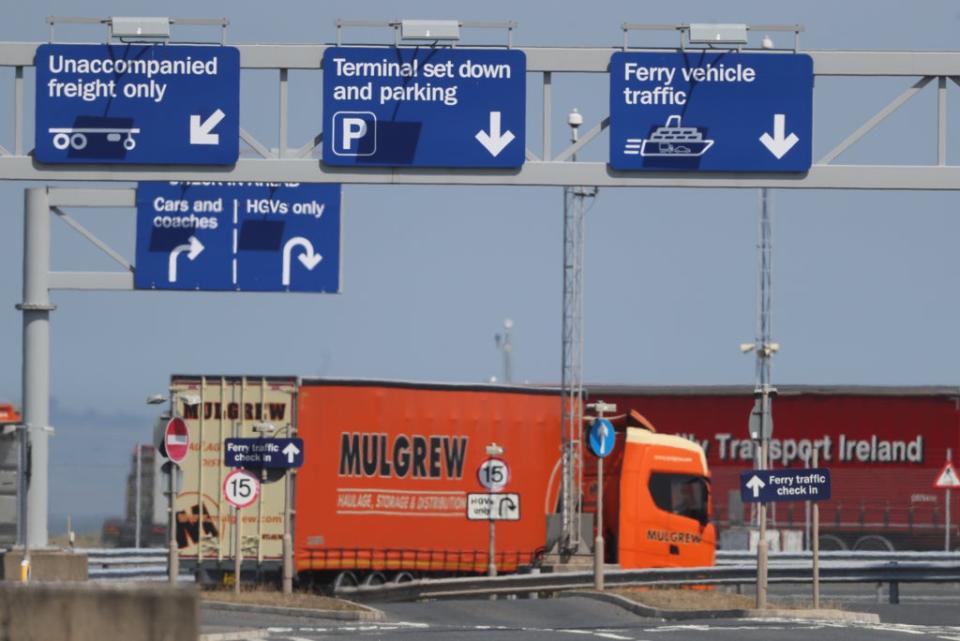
(764, 350)
(36, 310)
(571, 375)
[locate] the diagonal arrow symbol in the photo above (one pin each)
(200, 131)
(778, 145)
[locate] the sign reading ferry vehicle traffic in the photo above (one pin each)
(265, 237)
(700, 110)
(765, 486)
(137, 104)
(424, 107)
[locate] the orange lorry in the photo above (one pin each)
(388, 466)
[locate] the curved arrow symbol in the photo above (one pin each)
(308, 258)
(193, 248)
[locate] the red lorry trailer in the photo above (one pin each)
(884, 446)
(382, 493)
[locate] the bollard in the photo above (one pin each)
(894, 593)
(25, 570)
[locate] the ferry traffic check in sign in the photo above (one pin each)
(265, 237)
(137, 104)
(711, 111)
(256, 453)
(766, 486)
(424, 107)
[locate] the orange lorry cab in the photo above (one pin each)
(664, 503)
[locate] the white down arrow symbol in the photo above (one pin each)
(494, 142)
(778, 145)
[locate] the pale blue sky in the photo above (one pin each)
(863, 281)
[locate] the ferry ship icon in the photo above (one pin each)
(670, 140)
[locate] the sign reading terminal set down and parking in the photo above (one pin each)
(137, 104)
(264, 237)
(424, 107)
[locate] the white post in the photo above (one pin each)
(173, 564)
(946, 511)
(136, 503)
(815, 542)
(287, 533)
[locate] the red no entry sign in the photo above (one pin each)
(176, 439)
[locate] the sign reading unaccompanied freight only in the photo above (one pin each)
(137, 104)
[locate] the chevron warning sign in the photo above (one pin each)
(947, 478)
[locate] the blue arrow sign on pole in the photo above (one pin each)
(766, 486)
(700, 110)
(602, 437)
(424, 107)
(265, 237)
(263, 452)
(137, 104)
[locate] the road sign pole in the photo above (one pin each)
(491, 553)
(815, 542)
(598, 552)
(762, 536)
(946, 511)
(237, 553)
(136, 504)
(287, 534)
(173, 563)
(36, 310)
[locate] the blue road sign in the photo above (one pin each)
(766, 486)
(601, 437)
(265, 237)
(263, 452)
(138, 104)
(711, 111)
(424, 107)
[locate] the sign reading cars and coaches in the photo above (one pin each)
(702, 110)
(137, 104)
(424, 107)
(265, 237)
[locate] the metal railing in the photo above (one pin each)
(892, 573)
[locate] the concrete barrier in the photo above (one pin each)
(46, 565)
(78, 612)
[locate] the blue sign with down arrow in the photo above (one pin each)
(700, 110)
(266, 237)
(424, 107)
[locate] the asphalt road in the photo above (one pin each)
(583, 618)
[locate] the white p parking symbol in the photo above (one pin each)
(354, 133)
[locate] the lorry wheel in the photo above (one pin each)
(345, 579)
(829, 542)
(873, 543)
(403, 577)
(374, 578)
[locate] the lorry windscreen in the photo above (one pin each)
(682, 494)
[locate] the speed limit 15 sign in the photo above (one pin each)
(493, 474)
(241, 488)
